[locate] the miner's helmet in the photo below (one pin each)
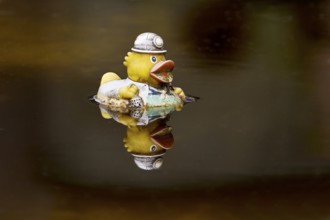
(149, 43)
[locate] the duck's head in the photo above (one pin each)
(147, 63)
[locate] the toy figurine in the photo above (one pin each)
(149, 78)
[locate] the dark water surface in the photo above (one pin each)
(256, 146)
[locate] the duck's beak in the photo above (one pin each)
(162, 136)
(162, 71)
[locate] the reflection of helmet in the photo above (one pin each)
(149, 43)
(148, 162)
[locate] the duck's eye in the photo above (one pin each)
(153, 59)
(153, 148)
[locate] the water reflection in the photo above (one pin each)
(148, 137)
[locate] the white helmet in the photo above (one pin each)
(149, 43)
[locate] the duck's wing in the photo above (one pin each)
(109, 76)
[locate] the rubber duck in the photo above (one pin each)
(149, 78)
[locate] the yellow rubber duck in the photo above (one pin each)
(149, 77)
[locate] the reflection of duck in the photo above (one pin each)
(148, 143)
(148, 137)
(134, 117)
(149, 77)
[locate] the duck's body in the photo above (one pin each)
(151, 96)
(149, 76)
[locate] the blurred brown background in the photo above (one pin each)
(256, 146)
